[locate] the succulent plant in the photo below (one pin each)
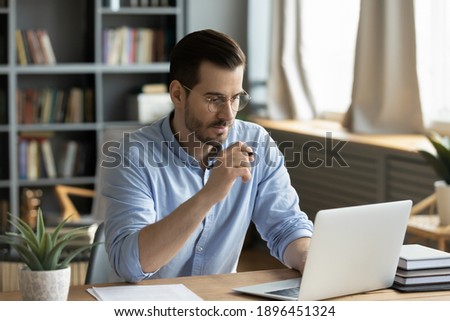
(440, 160)
(40, 249)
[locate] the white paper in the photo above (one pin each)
(170, 292)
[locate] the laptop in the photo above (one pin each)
(353, 250)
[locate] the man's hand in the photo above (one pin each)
(230, 164)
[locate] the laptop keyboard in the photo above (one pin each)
(289, 292)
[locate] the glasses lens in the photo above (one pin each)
(243, 101)
(237, 103)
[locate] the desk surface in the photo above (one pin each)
(219, 287)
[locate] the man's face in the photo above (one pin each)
(212, 127)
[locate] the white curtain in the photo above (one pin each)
(385, 97)
(383, 93)
(289, 96)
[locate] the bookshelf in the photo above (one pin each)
(76, 30)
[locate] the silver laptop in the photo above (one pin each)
(353, 250)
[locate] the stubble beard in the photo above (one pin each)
(198, 130)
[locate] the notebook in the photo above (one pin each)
(353, 250)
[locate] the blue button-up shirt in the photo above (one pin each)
(150, 175)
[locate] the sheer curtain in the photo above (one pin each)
(288, 87)
(338, 55)
(312, 49)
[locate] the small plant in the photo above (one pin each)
(440, 161)
(41, 250)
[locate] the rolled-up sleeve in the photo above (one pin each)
(277, 214)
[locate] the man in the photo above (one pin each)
(189, 185)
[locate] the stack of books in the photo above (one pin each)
(422, 268)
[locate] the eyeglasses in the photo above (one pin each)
(217, 102)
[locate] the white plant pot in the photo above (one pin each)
(442, 190)
(44, 285)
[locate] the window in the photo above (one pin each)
(433, 60)
(329, 37)
(329, 40)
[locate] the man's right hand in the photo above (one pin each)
(230, 164)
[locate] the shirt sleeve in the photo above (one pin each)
(128, 206)
(277, 214)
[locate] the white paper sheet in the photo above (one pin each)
(170, 292)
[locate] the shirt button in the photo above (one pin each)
(199, 249)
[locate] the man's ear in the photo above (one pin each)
(177, 94)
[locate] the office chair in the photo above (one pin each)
(99, 269)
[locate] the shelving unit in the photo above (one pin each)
(75, 28)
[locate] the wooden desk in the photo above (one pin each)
(219, 288)
(427, 226)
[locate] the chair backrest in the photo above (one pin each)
(99, 268)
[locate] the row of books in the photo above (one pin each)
(126, 45)
(422, 268)
(53, 105)
(34, 47)
(37, 158)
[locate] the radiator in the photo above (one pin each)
(370, 174)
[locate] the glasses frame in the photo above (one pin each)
(217, 108)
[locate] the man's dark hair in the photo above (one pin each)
(200, 46)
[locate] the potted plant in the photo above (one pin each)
(46, 274)
(440, 162)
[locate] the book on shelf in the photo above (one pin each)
(49, 160)
(53, 105)
(127, 45)
(34, 159)
(68, 161)
(417, 256)
(75, 106)
(46, 47)
(21, 53)
(34, 47)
